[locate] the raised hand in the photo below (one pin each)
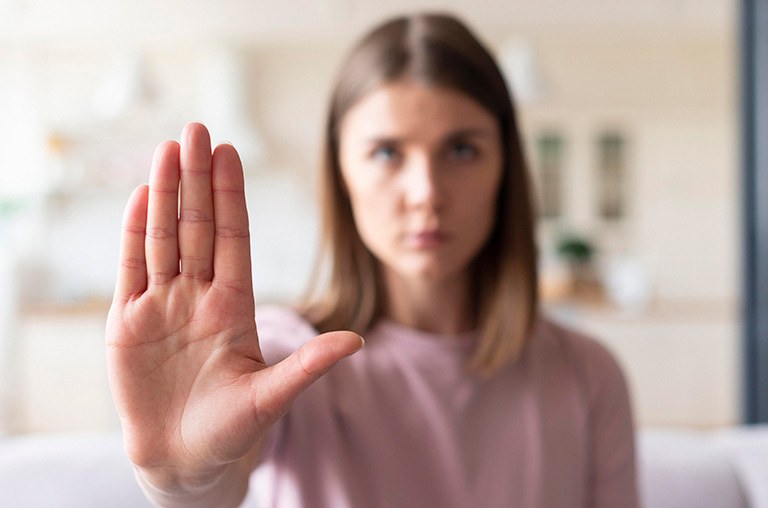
(191, 388)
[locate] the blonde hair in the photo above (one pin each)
(346, 290)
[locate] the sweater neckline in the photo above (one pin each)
(393, 330)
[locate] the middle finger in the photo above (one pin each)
(196, 227)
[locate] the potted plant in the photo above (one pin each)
(578, 253)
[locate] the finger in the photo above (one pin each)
(132, 270)
(161, 246)
(232, 245)
(196, 210)
(284, 381)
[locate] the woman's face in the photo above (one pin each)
(422, 166)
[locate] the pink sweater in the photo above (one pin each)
(401, 424)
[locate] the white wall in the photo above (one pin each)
(675, 98)
(673, 93)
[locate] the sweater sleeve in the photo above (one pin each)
(281, 332)
(613, 475)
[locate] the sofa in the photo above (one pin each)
(705, 469)
(677, 469)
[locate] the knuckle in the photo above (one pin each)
(236, 191)
(302, 362)
(161, 278)
(137, 230)
(132, 263)
(160, 233)
(196, 168)
(187, 258)
(196, 275)
(234, 285)
(232, 232)
(194, 215)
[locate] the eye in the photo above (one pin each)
(463, 151)
(385, 153)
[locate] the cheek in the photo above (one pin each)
(480, 219)
(372, 212)
(479, 210)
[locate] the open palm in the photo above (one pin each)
(189, 382)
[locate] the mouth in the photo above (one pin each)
(425, 239)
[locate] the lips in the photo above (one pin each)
(426, 239)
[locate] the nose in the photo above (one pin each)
(423, 183)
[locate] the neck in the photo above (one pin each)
(443, 306)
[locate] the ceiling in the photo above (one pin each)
(280, 21)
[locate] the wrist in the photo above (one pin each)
(170, 488)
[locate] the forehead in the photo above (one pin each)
(408, 108)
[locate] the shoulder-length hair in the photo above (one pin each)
(345, 291)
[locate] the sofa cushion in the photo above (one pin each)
(687, 469)
(67, 471)
(748, 447)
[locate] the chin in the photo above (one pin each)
(433, 270)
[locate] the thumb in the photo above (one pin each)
(275, 387)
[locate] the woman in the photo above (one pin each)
(463, 396)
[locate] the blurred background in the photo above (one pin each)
(630, 117)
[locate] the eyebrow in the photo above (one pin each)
(468, 133)
(462, 133)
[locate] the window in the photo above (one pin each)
(611, 176)
(549, 148)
